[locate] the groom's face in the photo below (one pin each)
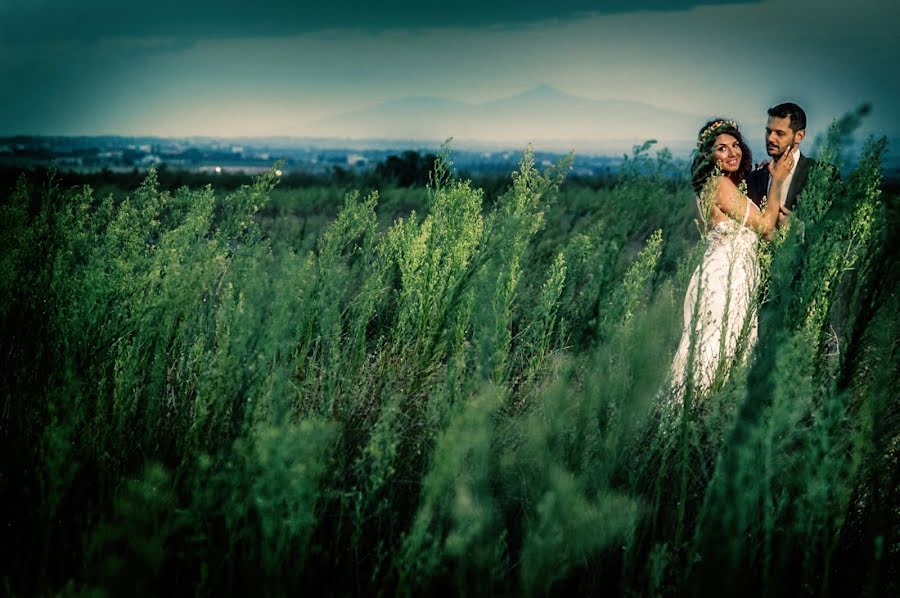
(779, 135)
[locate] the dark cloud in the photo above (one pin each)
(90, 20)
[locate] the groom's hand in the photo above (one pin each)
(783, 215)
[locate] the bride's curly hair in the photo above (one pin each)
(703, 165)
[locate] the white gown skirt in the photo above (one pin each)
(720, 316)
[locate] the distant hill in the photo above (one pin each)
(544, 115)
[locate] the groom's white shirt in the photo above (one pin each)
(790, 176)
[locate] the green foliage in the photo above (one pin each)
(278, 390)
(456, 531)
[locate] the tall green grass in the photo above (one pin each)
(201, 394)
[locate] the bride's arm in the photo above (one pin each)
(737, 205)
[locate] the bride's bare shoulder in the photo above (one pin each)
(723, 182)
(715, 183)
(724, 188)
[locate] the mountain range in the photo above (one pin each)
(545, 116)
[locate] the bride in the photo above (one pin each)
(720, 320)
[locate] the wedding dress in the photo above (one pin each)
(720, 319)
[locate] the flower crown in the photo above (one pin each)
(705, 133)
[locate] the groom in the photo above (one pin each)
(785, 128)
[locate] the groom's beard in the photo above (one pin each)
(777, 156)
(780, 149)
(781, 155)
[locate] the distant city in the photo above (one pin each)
(316, 156)
(251, 156)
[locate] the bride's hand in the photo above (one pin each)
(781, 169)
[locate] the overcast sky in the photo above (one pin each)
(231, 68)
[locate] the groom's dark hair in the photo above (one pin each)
(792, 110)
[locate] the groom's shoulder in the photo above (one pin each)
(758, 174)
(757, 184)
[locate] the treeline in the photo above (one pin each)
(406, 169)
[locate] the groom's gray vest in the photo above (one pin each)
(758, 182)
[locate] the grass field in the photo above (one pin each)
(252, 392)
